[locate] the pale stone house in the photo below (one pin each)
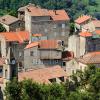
(84, 42)
(53, 23)
(43, 53)
(83, 21)
(9, 71)
(89, 58)
(12, 23)
(17, 41)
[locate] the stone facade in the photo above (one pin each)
(18, 50)
(46, 26)
(16, 26)
(82, 45)
(36, 58)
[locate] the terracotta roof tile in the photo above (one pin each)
(16, 36)
(82, 19)
(42, 75)
(8, 19)
(37, 11)
(96, 23)
(97, 32)
(58, 15)
(44, 44)
(85, 34)
(54, 14)
(33, 44)
(90, 58)
(48, 44)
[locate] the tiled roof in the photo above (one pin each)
(85, 34)
(33, 44)
(44, 44)
(54, 14)
(58, 15)
(8, 19)
(42, 75)
(97, 32)
(37, 11)
(20, 36)
(48, 44)
(90, 58)
(82, 19)
(23, 8)
(2, 61)
(96, 23)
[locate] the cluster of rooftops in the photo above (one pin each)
(43, 75)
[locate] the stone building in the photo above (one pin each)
(83, 20)
(43, 53)
(9, 71)
(53, 23)
(84, 42)
(89, 58)
(17, 41)
(12, 23)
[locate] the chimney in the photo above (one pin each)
(55, 12)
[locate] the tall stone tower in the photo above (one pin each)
(10, 67)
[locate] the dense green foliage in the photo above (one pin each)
(73, 7)
(82, 86)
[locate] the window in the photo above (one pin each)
(64, 63)
(63, 25)
(52, 80)
(55, 26)
(55, 33)
(45, 30)
(20, 54)
(61, 78)
(31, 53)
(19, 24)
(0, 70)
(56, 61)
(6, 73)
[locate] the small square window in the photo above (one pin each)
(55, 33)
(63, 25)
(20, 54)
(45, 30)
(31, 53)
(64, 63)
(56, 61)
(55, 26)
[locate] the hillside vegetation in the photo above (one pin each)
(73, 7)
